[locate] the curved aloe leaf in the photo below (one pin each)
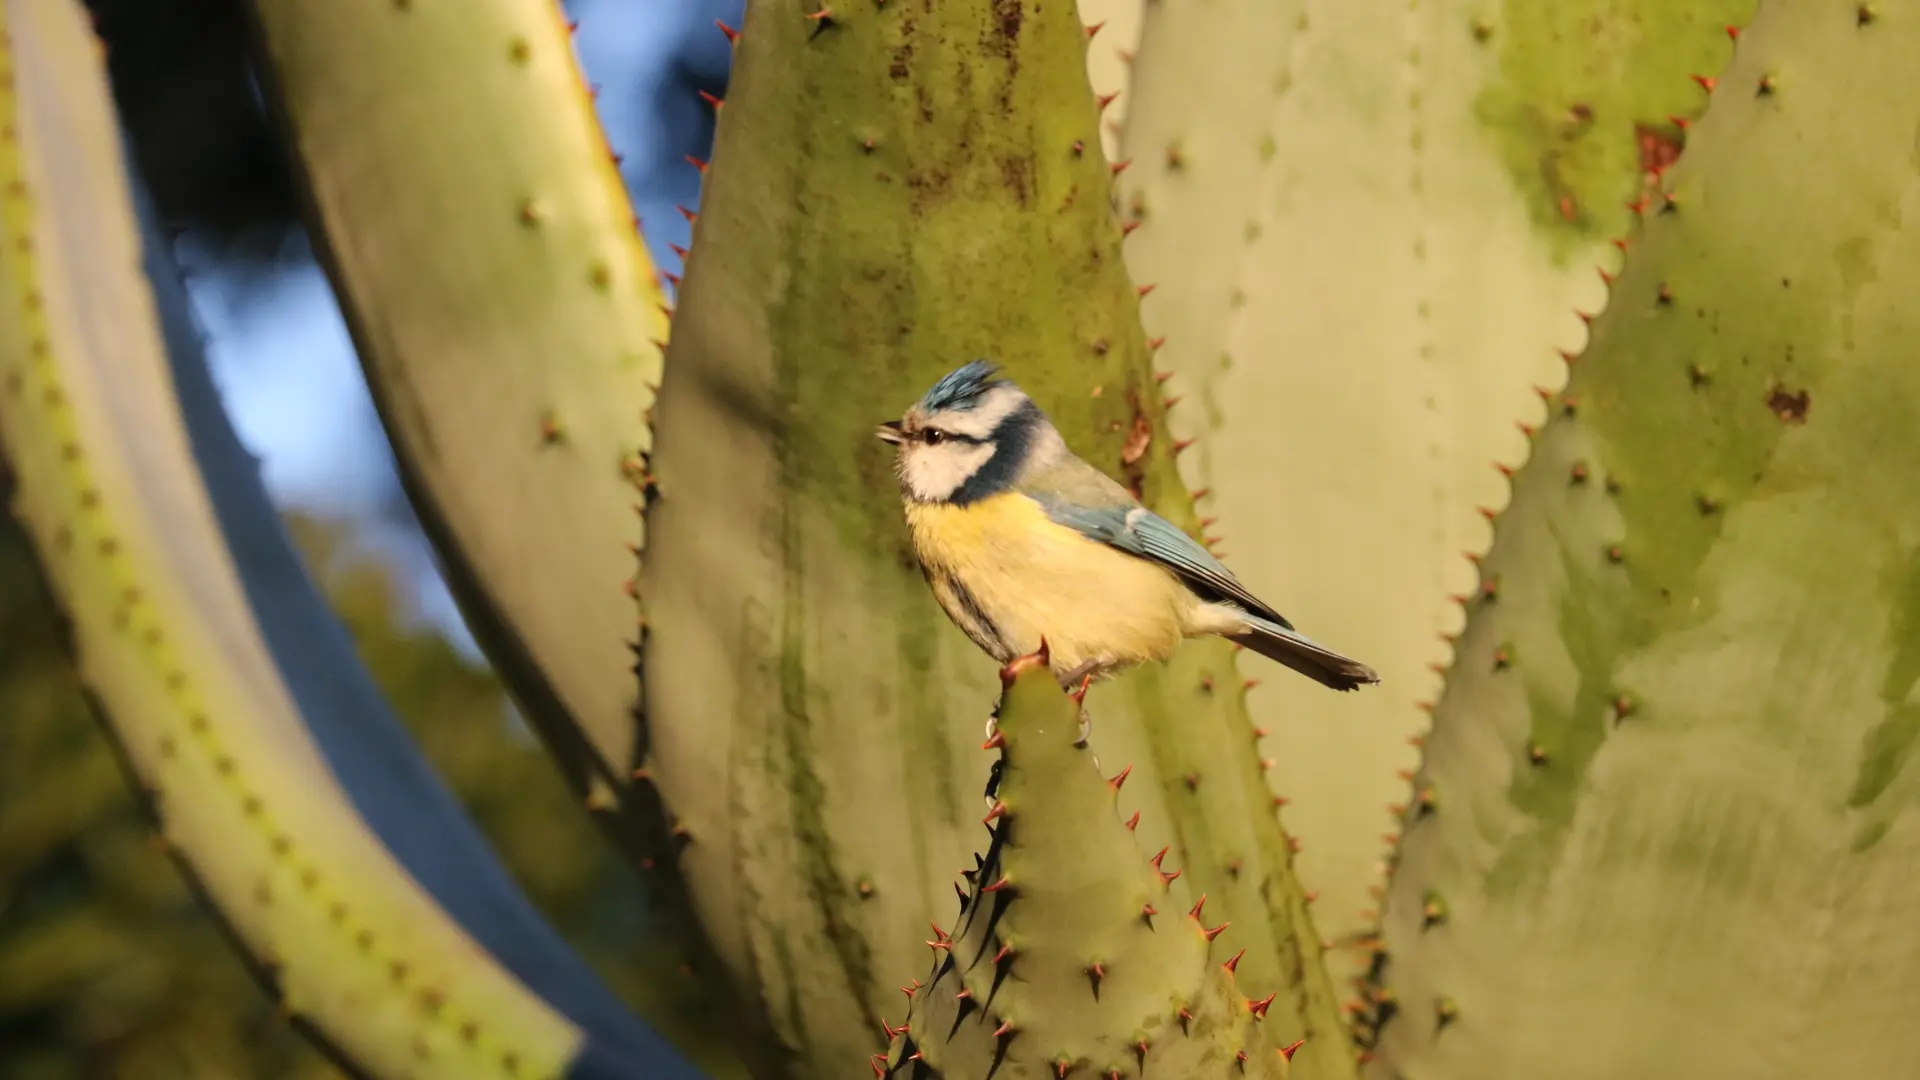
(1676, 820)
(895, 191)
(484, 251)
(1373, 223)
(1069, 955)
(370, 904)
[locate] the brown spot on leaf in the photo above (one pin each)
(1139, 437)
(1789, 405)
(1006, 18)
(1658, 149)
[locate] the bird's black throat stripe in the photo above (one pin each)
(1010, 438)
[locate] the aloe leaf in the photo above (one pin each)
(1068, 954)
(367, 900)
(1373, 225)
(474, 226)
(1676, 825)
(888, 198)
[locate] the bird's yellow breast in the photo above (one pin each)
(1008, 575)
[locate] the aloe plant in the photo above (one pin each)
(1675, 733)
(1376, 241)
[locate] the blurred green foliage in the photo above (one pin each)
(108, 967)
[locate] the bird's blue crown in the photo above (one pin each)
(962, 388)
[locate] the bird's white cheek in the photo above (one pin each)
(935, 473)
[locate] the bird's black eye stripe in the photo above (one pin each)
(935, 436)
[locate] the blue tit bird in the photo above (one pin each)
(1021, 540)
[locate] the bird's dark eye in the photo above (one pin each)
(934, 436)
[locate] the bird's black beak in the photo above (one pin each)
(890, 432)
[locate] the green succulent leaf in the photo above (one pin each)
(1375, 225)
(894, 191)
(1069, 953)
(1679, 818)
(476, 230)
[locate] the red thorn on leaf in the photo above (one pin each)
(997, 886)
(672, 278)
(1288, 1051)
(1106, 100)
(1486, 513)
(824, 14)
(1240, 1058)
(939, 933)
(1005, 1029)
(1120, 166)
(1261, 733)
(1134, 821)
(1706, 82)
(686, 213)
(1005, 951)
(891, 1030)
(993, 743)
(1235, 962)
(879, 1064)
(712, 99)
(1182, 444)
(1198, 904)
(1154, 344)
(733, 36)
(997, 809)
(1120, 779)
(697, 163)
(1144, 289)
(678, 250)
(940, 945)
(1126, 228)
(1216, 931)
(963, 995)
(1095, 28)
(1681, 122)
(1172, 401)
(1161, 855)
(1312, 895)
(1079, 695)
(1733, 33)
(1186, 1017)
(1248, 684)
(1148, 911)
(1504, 469)
(1161, 377)
(1201, 493)
(1605, 278)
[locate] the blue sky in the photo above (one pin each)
(281, 353)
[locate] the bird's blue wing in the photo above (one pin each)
(1134, 529)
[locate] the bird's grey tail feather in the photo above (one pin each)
(1306, 656)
